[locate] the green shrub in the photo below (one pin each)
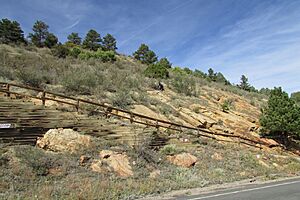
(35, 159)
(107, 56)
(80, 81)
(184, 84)
(156, 71)
(6, 73)
(60, 51)
(170, 149)
(178, 71)
(31, 77)
(196, 110)
(226, 106)
(74, 52)
(296, 97)
(104, 56)
(122, 99)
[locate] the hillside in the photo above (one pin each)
(188, 99)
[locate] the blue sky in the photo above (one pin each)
(258, 38)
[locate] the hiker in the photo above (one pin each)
(160, 86)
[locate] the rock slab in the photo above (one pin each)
(63, 140)
(183, 160)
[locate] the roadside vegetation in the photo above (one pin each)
(29, 172)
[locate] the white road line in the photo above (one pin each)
(245, 190)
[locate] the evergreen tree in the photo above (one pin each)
(281, 117)
(244, 85)
(60, 51)
(51, 40)
(109, 43)
(92, 40)
(165, 63)
(11, 32)
(74, 39)
(145, 55)
(157, 71)
(296, 97)
(265, 91)
(40, 33)
(220, 78)
(200, 74)
(187, 71)
(211, 74)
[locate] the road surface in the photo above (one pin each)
(281, 190)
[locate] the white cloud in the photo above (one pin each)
(265, 46)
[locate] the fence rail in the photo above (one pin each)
(131, 116)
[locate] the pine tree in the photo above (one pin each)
(145, 55)
(244, 85)
(165, 63)
(74, 38)
(11, 32)
(40, 33)
(109, 43)
(51, 40)
(211, 74)
(281, 117)
(92, 40)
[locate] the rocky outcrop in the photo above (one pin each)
(183, 160)
(113, 162)
(63, 140)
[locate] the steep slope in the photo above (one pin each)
(124, 85)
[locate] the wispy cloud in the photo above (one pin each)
(265, 46)
(72, 25)
(260, 39)
(156, 21)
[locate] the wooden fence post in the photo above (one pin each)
(77, 105)
(131, 118)
(43, 98)
(7, 88)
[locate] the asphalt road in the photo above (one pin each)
(281, 190)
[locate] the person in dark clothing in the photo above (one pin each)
(160, 86)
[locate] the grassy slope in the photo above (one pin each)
(123, 84)
(28, 172)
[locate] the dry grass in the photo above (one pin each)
(25, 171)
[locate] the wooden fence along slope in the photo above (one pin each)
(124, 114)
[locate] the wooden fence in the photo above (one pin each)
(121, 113)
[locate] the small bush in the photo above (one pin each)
(226, 106)
(170, 149)
(74, 52)
(104, 56)
(156, 71)
(122, 99)
(184, 84)
(80, 80)
(60, 51)
(5, 72)
(35, 159)
(30, 77)
(196, 110)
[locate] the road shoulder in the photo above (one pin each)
(218, 188)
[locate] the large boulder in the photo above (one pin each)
(63, 140)
(183, 159)
(113, 161)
